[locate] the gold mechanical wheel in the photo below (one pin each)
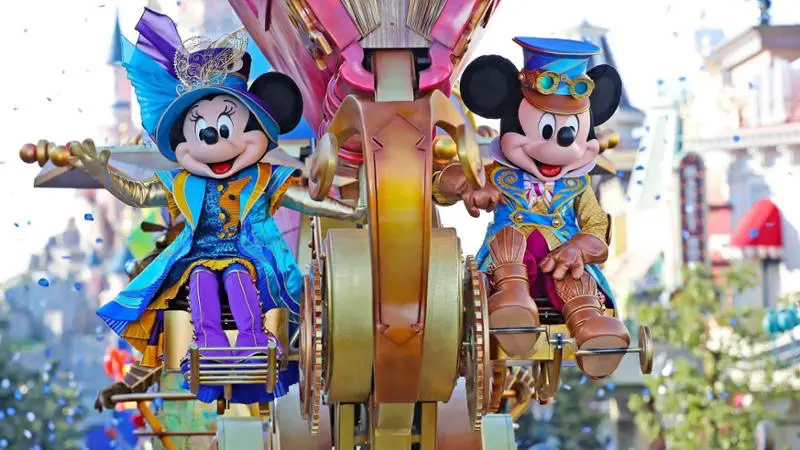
(476, 357)
(322, 166)
(645, 349)
(311, 348)
(499, 381)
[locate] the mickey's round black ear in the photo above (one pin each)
(607, 93)
(490, 86)
(282, 96)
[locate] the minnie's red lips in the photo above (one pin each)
(548, 170)
(221, 167)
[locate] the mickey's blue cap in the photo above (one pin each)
(554, 74)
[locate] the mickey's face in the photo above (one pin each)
(218, 143)
(553, 145)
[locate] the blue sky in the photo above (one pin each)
(55, 83)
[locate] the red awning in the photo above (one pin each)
(758, 234)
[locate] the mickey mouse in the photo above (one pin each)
(197, 106)
(549, 231)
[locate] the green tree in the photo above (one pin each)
(695, 403)
(38, 408)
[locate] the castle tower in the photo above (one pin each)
(123, 129)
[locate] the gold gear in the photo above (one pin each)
(475, 352)
(499, 378)
(311, 348)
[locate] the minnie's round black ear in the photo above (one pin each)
(282, 96)
(490, 86)
(607, 93)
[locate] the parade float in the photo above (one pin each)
(394, 345)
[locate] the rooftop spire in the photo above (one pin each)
(115, 57)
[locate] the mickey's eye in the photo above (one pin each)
(572, 122)
(225, 126)
(199, 126)
(547, 126)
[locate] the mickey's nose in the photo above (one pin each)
(209, 135)
(565, 137)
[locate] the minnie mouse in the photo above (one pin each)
(197, 106)
(549, 232)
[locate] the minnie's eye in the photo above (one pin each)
(199, 126)
(547, 125)
(225, 126)
(572, 122)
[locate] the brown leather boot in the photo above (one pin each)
(511, 305)
(583, 314)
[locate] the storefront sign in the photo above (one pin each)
(693, 209)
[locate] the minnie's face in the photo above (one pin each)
(217, 144)
(553, 145)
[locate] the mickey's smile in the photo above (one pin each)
(222, 167)
(548, 170)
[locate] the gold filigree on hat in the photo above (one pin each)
(201, 61)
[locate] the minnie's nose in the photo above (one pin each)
(565, 136)
(209, 135)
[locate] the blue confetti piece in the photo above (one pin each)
(681, 79)
(10, 411)
(660, 82)
(77, 287)
(69, 420)
(639, 182)
(61, 402)
(753, 233)
(98, 241)
(88, 217)
(685, 234)
(48, 352)
(5, 384)
(658, 197)
(586, 430)
(66, 257)
(737, 138)
(723, 395)
(750, 85)
(601, 392)
(2, 415)
(99, 338)
(18, 395)
(46, 388)
(641, 149)
(620, 173)
(566, 387)
(732, 322)
(3, 443)
(583, 379)
(43, 282)
(52, 437)
(611, 386)
(639, 167)
(16, 224)
(645, 392)
(51, 426)
(709, 396)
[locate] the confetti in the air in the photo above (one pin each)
(639, 182)
(98, 241)
(645, 392)
(49, 99)
(28, 434)
(30, 416)
(566, 387)
(641, 149)
(10, 411)
(5, 383)
(601, 392)
(639, 167)
(685, 234)
(43, 282)
(620, 173)
(88, 217)
(753, 233)
(660, 82)
(658, 197)
(586, 430)
(681, 79)
(16, 224)
(737, 138)
(583, 379)
(77, 287)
